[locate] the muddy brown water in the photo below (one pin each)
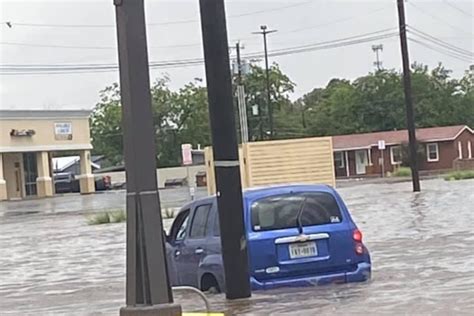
(422, 247)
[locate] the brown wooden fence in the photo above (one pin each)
(306, 160)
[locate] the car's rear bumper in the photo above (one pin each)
(361, 274)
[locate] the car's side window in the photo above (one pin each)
(178, 231)
(216, 231)
(198, 227)
(182, 230)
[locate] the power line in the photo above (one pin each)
(458, 9)
(56, 69)
(11, 24)
(354, 37)
(437, 18)
(335, 21)
(57, 46)
(440, 50)
(439, 42)
(60, 46)
(334, 45)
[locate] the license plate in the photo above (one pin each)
(307, 249)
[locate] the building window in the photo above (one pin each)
(339, 159)
(432, 152)
(396, 155)
(469, 149)
(460, 150)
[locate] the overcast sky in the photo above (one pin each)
(298, 22)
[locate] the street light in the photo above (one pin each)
(264, 31)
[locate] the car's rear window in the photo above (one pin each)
(281, 211)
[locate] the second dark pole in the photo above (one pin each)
(408, 98)
(225, 150)
(267, 80)
(264, 31)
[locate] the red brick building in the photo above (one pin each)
(444, 148)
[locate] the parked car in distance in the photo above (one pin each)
(297, 235)
(67, 182)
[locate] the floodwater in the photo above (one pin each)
(422, 247)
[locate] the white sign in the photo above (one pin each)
(186, 154)
(255, 110)
(381, 144)
(63, 130)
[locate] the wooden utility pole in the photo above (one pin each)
(408, 97)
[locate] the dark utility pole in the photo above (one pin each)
(264, 32)
(239, 63)
(408, 97)
(148, 289)
(225, 150)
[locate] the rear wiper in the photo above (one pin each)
(298, 217)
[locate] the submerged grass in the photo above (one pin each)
(119, 216)
(459, 175)
(402, 172)
(113, 216)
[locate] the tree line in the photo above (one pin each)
(374, 102)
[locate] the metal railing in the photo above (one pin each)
(196, 291)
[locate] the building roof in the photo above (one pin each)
(367, 140)
(62, 163)
(35, 114)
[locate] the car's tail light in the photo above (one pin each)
(359, 248)
(357, 235)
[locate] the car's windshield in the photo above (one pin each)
(281, 211)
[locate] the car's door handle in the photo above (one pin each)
(177, 253)
(199, 251)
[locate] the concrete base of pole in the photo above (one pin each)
(153, 310)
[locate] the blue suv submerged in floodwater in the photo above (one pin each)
(298, 235)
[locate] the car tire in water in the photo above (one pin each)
(209, 284)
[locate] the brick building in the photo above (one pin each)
(443, 148)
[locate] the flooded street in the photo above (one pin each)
(422, 248)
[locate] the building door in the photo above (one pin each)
(361, 161)
(31, 173)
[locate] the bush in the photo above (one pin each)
(117, 216)
(402, 172)
(459, 175)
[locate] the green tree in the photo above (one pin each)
(106, 125)
(375, 102)
(190, 115)
(178, 117)
(286, 119)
